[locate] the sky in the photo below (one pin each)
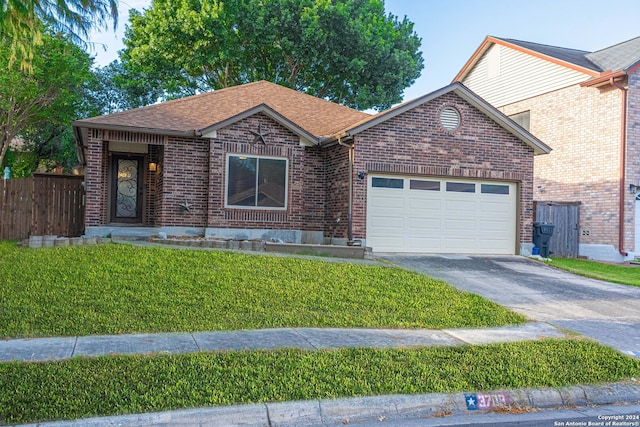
(452, 30)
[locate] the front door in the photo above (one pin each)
(126, 185)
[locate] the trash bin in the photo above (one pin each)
(542, 233)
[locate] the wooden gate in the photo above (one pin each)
(566, 220)
(41, 205)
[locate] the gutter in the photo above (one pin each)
(351, 149)
(623, 154)
(603, 79)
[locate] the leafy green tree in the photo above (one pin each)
(39, 106)
(346, 51)
(21, 23)
(117, 89)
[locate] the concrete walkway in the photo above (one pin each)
(428, 409)
(43, 349)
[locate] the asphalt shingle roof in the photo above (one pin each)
(316, 116)
(573, 56)
(618, 57)
(614, 58)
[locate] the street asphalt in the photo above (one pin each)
(552, 299)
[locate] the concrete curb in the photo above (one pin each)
(376, 408)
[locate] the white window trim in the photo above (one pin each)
(262, 208)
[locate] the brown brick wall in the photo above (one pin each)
(415, 143)
(184, 181)
(582, 126)
(336, 158)
(96, 179)
(305, 198)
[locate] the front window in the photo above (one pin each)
(256, 182)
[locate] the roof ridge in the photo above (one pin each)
(541, 44)
(614, 45)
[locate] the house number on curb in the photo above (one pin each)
(482, 401)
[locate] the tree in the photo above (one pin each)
(116, 89)
(21, 23)
(348, 52)
(38, 106)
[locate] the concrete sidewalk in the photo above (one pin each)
(329, 412)
(43, 349)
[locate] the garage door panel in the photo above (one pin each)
(414, 219)
(425, 204)
(457, 226)
(391, 202)
(460, 206)
(432, 224)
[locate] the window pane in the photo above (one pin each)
(387, 182)
(494, 189)
(416, 184)
(522, 119)
(272, 178)
(241, 188)
(461, 187)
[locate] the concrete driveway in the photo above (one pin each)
(606, 312)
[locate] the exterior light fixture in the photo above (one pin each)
(153, 167)
(633, 188)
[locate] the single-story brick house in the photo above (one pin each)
(444, 173)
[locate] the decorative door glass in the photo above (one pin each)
(127, 193)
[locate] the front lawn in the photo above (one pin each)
(624, 274)
(115, 289)
(86, 387)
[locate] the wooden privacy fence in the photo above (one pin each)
(41, 205)
(565, 216)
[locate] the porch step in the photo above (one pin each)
(129, 237)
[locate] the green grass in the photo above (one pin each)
(113, 289)
(86, 387)
(624, 274)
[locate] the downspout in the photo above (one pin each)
(623, 154)
(350, 208)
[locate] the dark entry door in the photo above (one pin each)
(126, 185)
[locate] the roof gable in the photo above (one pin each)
(306, 114)
(569, 58)
(463, 92)
(620, 57)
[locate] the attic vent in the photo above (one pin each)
(450, 118)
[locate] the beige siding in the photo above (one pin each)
(517, 76)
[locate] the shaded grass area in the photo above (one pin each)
(623, 274)
(113, 289)
(84, 387)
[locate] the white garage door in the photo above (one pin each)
(434, 215)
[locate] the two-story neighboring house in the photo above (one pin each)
(586, 107)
